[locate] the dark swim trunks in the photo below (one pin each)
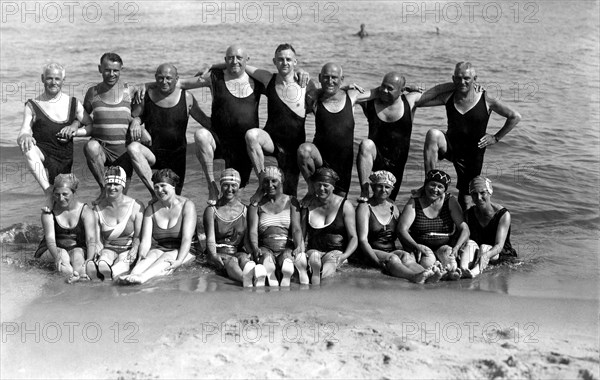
(334, 137)
(167, 128)
(58, 156)
(231, 118)
(392, 141)
(462, 137)
(287, 132)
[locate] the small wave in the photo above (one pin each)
(21, 233)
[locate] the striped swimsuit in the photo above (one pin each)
(111, 123)
(274, 229)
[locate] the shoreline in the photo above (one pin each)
(202, 325)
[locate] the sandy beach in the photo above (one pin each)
(200, 325)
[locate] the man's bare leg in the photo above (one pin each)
(205, 152)
(367, 152)
(35, 162)
(309, 159)
(435, 146)
(95, 157)
(257, 143)
(142, 159)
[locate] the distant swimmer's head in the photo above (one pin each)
(236, 59)
(464, 76)
(53, 76)
(166, 78)
(362, 26)
(391, 87)
(285, 59)
(115, 175)
(331, 78)
(481, 190)
(110, 67)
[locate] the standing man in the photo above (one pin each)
(468, 112)
(284, 131)
(109, 103)
(390, 115)
(333, 144)
(234, 111)
(164, 112)
(49, 123)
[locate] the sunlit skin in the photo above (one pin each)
(113, 190)
(235, 60)
(111, 72)
(464, 79)
(434, 190)
(229, 190)
(322, 190)
(285, 61)
(270, 186)
(62, 197)
(381, 191)
(390, 88)
(53, 82)
(480, 197)
(166, 79)
(331, 78)
(164, 190)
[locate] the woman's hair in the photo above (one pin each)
(167, 176)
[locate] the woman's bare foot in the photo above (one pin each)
(420, 278)
(287, 269)
(260, 274)
(248, 274)
(105, 270)
(437, 275)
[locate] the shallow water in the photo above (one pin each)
(540, 57)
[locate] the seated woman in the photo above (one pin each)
(377, 228)
(489, 226)
(69, 230)
(225, 229)
(274, 231)
(329, 225)
(119, 224)
(168, 228)
(432, 225)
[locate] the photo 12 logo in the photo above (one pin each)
(288, 332)
(269, 11)
(469, 11)
(69, 11)
(71, 332)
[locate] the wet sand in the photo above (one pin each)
(357, 325)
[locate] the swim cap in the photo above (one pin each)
(66, 180)
(230, 175)
(480, 182)
(438, 176)
(382, 177)
(327, 175)
(273, 172)
(165, 176)
(115, 174)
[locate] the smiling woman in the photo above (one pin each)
(168, 228)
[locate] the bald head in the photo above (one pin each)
(235, 60)
(395, 78)
(166, 78)
(332, 67)
(167, 67)
(463, 67)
